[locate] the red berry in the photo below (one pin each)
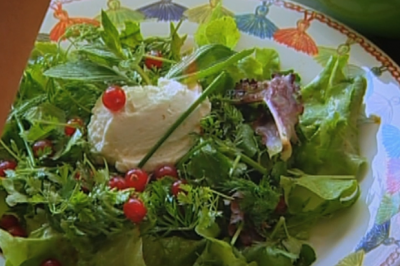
(7, 221)
(51, 262)
(17, 231)
(114, 98)
(43, 147)
(281, 206)
(117, 182)
(7, 165)
(175, 188)
(74, 124)
(137, 179)
(135, 210)
(153, 62)
(165, 170)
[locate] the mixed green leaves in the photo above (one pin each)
(240, 204)
(332, 104)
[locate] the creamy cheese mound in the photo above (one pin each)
(125, 137)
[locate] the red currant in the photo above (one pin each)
(135, 210)
(117, 182)
(73, 124)
(17, 231)
(7, 165)
(51, 262)
(43, 147)
(114, 98)
(175, 188)
(165, 170)
(153, 62)
(137, 179)
(7, 221)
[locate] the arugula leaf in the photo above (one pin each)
(217, 67)
(332, 104)
(83, 71)
(110, 35)
(44, 119)
(210, 164)
(72, 149)
(99, 54)
(202, 58)
(171, 251)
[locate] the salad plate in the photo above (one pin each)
(319, 185)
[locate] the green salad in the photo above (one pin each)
(271, 158)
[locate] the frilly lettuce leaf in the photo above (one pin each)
(332, 104)
(261, 66)
(219, 30)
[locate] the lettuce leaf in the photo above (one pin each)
(221, 253)
(332, 104)
(171, 251)
(124, 250)
(219, 30)
(320, 195)
(261, 66)
(41, 245)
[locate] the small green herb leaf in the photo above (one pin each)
(110, 35)
(83, 71)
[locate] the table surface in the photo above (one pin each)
(389, 46)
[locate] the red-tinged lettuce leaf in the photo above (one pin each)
(281, 97)
(332, 104)
(267, 129)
